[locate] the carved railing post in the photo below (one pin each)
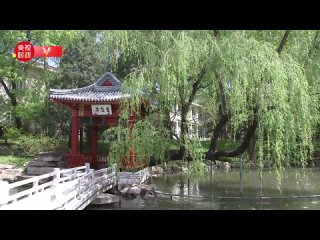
(87, 167)
(4, 192)
(55, 183)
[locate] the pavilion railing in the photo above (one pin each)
(101, 157)
(128, 162)
(76, 160)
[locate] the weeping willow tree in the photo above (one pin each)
(169, 67)
(266, 93)
(247, 79)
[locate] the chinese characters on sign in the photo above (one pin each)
(101, 109)
(24, 51)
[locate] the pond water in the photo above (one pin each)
(300, 189)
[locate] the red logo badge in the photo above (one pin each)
(24, 51)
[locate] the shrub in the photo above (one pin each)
(31, 145)
(12, 133)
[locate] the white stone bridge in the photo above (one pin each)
(67, 189)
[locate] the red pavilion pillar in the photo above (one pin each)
(94, 145)
(74, 132)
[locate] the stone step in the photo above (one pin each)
(41, 164)
(49, 158)
(39, 170)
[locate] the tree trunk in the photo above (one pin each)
(184, 131)
(13, 101)
(167, 122)
(240, 149)
(283, 41)
(18, 122)
(313, 47)
(252, 148)
(216, 133)
(14, 104)
(185, 107)
(225, 131)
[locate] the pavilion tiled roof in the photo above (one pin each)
(106, 89)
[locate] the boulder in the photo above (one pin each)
(235, 165)
(130, 192)
(184, 169)
(15, 171)
(176, 168)
(105, 198)
(11, 174)
(8, 177)
(219, 163)
(139, 190)
(156, 169)
(225, 166)
(6, 166)
(166, 167)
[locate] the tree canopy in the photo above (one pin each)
(263, 85)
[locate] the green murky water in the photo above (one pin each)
(221, 190)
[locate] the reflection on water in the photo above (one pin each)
(221, 190)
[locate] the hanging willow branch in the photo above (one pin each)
(250, 74)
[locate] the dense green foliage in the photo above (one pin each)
(258, 83)
(268, 77)
(31, 145)
(26, 104)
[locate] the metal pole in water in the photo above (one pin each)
(241, 175)
(211, 185)
(188, 185)
(211, 172)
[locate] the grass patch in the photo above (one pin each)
(16, 160)
(225, 144)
